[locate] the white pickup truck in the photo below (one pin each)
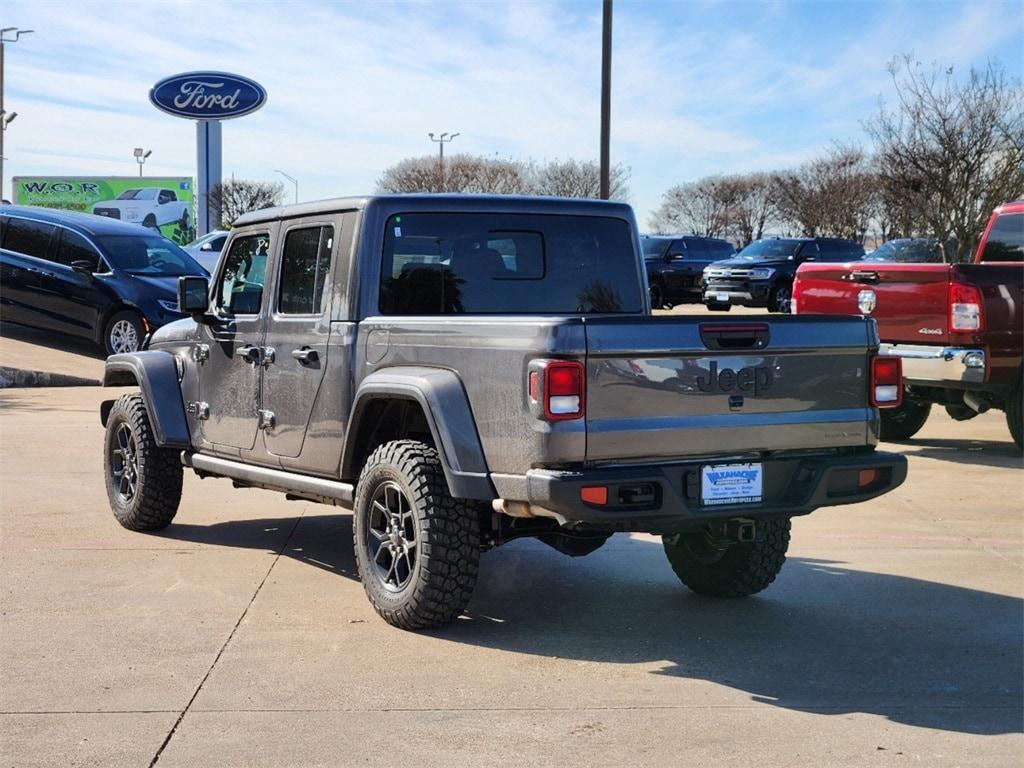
(149, 206)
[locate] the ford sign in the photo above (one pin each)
(207, 95)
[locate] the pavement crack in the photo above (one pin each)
(234, 629)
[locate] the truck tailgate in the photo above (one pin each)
(911, 300)
(667, 387)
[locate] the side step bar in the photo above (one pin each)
(291, 483)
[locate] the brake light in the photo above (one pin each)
(556, 388)
(965, 312)
(886, 381)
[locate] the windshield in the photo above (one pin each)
(496, 263)
(137, 194)
(655, 246)
(769, 250)
(149, 255)
(920, 250)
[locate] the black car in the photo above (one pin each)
(761, 275)
(88, 276)
(675, 265)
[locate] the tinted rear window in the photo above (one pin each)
(1006, 239)
(478, 263)
(31, 238)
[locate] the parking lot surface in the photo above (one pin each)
(240, 635)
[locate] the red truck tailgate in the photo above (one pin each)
(911, 300)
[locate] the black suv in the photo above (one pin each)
(89, 276)
(761, 275)
(675, 265)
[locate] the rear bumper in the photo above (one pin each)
(792, 485)
(939, 366)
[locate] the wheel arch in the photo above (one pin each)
(155, 373)
(393, 403)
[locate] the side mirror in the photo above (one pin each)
(83, 267)
(193, 295)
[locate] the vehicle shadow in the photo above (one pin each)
(824, 638)
(988, 453)
(51, 339)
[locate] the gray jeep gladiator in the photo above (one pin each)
(462, 371)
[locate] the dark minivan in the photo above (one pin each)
(675, 265)
(88, 276)
(761, 275)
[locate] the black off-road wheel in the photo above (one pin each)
(905, 420)
(738, 569)
(1015, 415)
(417, 548)
(143, 479)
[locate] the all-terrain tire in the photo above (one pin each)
(1015, 414)
(147, 500)
(905, 420)
(443, 575)
(742, 569)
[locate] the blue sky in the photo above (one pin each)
(699, 88)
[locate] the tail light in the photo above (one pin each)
(886, 381)
(965, 312)
(557, 386)
(796, 295)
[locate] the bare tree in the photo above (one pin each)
(834, 195)
(753, 206)
(467, 173)
(580, 178)
(950, 150)
(701, 207)
(237, 196)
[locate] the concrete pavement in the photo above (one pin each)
(240, 636)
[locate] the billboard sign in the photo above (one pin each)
(207, 95)
(164, 205)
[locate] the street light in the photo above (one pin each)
(140, 157)
(441, 141)
(6, 38)
(293, 180)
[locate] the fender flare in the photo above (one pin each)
(443, 399)
(156, 374)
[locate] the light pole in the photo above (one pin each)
(293, 180)
(7, 35)
(441, 141)
(140, 157)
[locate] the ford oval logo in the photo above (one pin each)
(207, 95)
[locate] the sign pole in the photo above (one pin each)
(208, 161)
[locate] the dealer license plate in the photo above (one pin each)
(731, 483)
(721, 297)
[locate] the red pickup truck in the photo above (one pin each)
(956, 327)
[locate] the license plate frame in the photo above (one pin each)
(723, 297)
(732, 483)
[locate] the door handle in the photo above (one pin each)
(864, 277)
(305, 355)
(249, 353)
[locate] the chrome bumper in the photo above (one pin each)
(938, 365)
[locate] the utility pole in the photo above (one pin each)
(293, 180)
(606, 97)
(441, 141)
(4, 117)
